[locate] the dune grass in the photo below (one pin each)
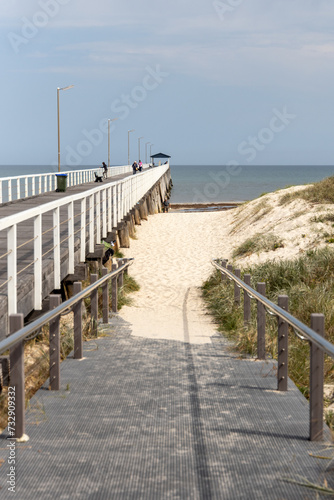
(326, 217)
(258, 243)
(309, 283)
(319, 192)
(129, 286)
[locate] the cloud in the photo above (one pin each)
(257, 42)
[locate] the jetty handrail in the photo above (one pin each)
(6, 222)
(305, 330)
(27, 330)
(103, 207)
(22, 186)
(14, 376)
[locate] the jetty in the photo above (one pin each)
(49, 237)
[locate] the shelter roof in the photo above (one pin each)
(160, 155)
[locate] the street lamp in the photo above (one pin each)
(129, 145)
(146, 152)
(139, 147)
(58, 89)
(151, 151)
(112, 120)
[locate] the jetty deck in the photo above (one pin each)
(154, 419)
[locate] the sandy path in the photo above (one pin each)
(172, 259)
(173, 255)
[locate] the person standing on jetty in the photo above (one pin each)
(134, 167)
(105, 170)
(140, 166)
(166, 205)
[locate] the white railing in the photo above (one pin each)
(22, 186)
(76, 223)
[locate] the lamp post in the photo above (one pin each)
(112, 120)
(151, 151)
(139, 147)
(58, 89)
(129, 131)
(146, 152)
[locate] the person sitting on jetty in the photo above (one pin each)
(165, 205)
(134, 167)
(109, 251)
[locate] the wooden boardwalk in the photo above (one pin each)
(159, 419)
(25, 245)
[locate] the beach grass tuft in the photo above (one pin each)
(260, 210)
(129, 286)
(258, 243)
(327, 217)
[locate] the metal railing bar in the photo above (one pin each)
(50, 315)
(310, 334)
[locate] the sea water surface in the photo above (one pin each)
(213, 183)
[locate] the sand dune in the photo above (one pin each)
(173, 255)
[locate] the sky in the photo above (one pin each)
(208, 82)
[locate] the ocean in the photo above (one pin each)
(213, 183)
